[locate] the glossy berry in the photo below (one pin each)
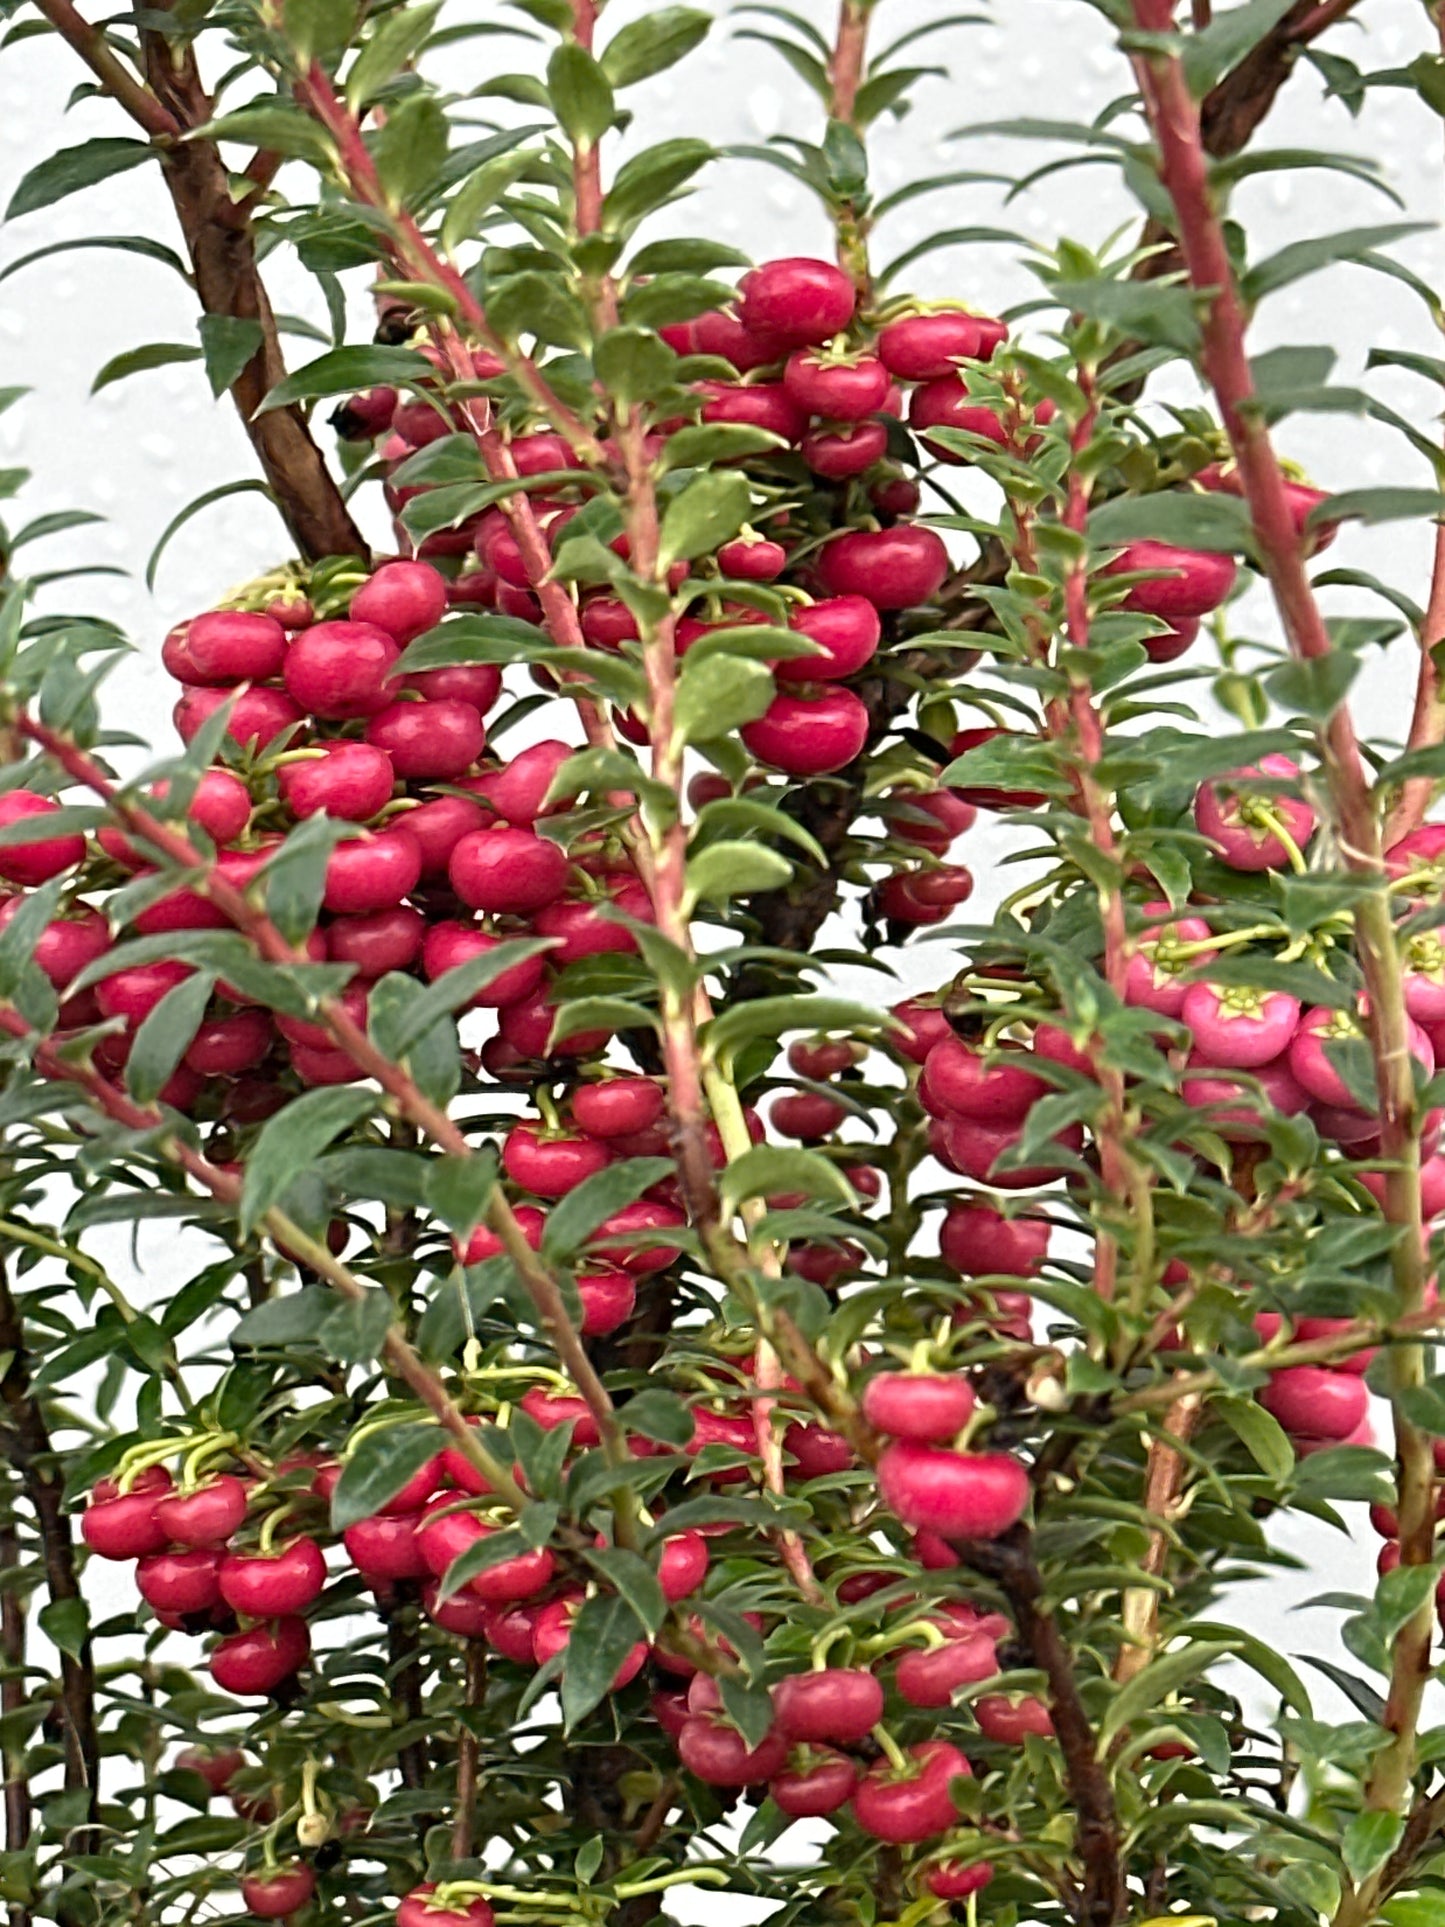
(429, 741)
(206, 1517)
(838, 453)
(963, 1495)
(508, 871)
(953, 1880)
(618, 1107)
(180, 1582)
(845, 631)
(958, 1079)
(891, 568)
(448, 945)
(1242, 818)
(1236, 1027)
(815, 1783)
(550, 1166)
(840, 390)
(384, 1549)
(372, 872)
(230, 646)
(341, 670)
(279, 1893)
(930, 1677)
(947, 404)
(907, 1808)
(273, 1585)
(932, 1406)
(352, 781)
(33, 863)
(764, 404)
(753, 559)
(977, 1240)
(259, 1659)
(417, 1910)
(719, 1755)
(796, 301)
(1314, 1402)
(837, 1706)
(403, 598)
(378, 942)
(925, 347)
(809, 735)
(1181, 582)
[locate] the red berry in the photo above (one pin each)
(447, 945)
(750, 557)
(230, 646)
(477, 683)
(342, 670)
(381, 941)
(258, 716)
(924, 347)
(719, 1755)
(550, 1412)
(1236, 816)
(1183, 582)
(720, 333)
(618, 1107)
(429, 742)
(838, 1706)
(842, 391)
(508, 871)
(846, 632)
(683, 1565)
(417, 1910)
(226, 1046)
(796, 301)
(220, 805)
(963, 1495)
(352, 781)
(977, 1240)
(383, 1549)
(462, 1613)
(552, 1632)
(440, 825)
(932, 819)
(984, 797)
(206, 1517)
(272, 1585)
(1238, 1028)
(1315, 1402)
(905, 1809)
(258, 1660)
(930, 1678)
(33, 863)
(957, 1079)
(818, 1783)
(216, 1769)
(809, 735)
(763, 404)
(372, 872)
(1011, 1721)
(618, 1236)
(550, 1166)
(403, 598)
(952, 1880)
(918, 1405)
(948, 404)
(519, 791)
(180, 1582)
(893, 568)
(133, 994)
(837, 454)
(278, 1894)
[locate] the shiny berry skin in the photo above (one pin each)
(33, 863)
(227, 1046)
(1010, 1722)
(66, 946)
(552, 1632)
(230, 646)
(429, 741)
(180, 1582)
(384, 1549)
(518, 793)
(508, 871)
(446, 945)
(341, 670)
(819, 1783)
(933, 820)
(609, 1299)
(272, 1585)
(619, 1107)
(279, 1894)
(372, 872)
(220, 805)
(978, 1241)
(925, 1027)
(133, 994)
(807, 1115)
(216, 1769)
(930, 1677)
(550, 1167)
(753, 559)
(477, 683)
(837, 454)
(796, 301)
(891, 568)
(403, 598)
(616, 1237)
(416, 1911)
(683, 1565)
(948, 404)
(957, 1079)
(839, 1706)
(720, 333)
(1233, 815)
(841, 391)
(1315, 1402)
(983, 1152)
(377, 942)
(951, 1880)
(984, 797)
(258, 1660)
(206, 1517)
(846, 632)
(907, 1809)
(963, 1495)
(258, 716)
(439, 826)
(763, 404)
(932, 1406)
(583, 930)
(551, 1411)
(819, 1452)
(351, 781)
(462, 1613)
(122, 1525)
(1237, 1028)
(925, 347)
(1184, 582)
(809, 735)
(719, 1755)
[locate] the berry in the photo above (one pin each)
(809, 735)
(1182, 582)
(1314, 1402)
(952, 1880)
(1010, 1722)
(957, 1079)
(518, 793)
(260, 1659)
(843, 391)
(963, 1495)
(352, 781)
(230, 646)
(837, 454)
(763, 404)
(383, 1549)
(817, 1783)
(402, 598)
(279, 1893)
(273, 1585)
(838, 1706)
(719, 1755)
(550, 1166)
(440, 825)
(796, 301)
(984, 797)
(683, 1565)
(552, 1632)
(34, 863)
(477, 683)
(180, 1582)
(925, 347)
(891, 568)
(918, 1405)
(846, 632)
(752, 558)
(341, 670)
(619, 1107)
(977, 1240)
(417, 1910)
(931, 1677)
(508, 871)
(907, 1808)
(372, 872)
(205, 1517)
(448, 945)
(947, 404)
(608, 1301)
(378, 942)
(1236, 1027)
(1242, 821)
(258, 716)
(429, 741)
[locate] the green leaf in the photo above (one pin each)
(659, 1415)
(165, 1036)
(1373, 505)
(630, 1576)
(1217, 49)
(650, 45)
(290, 1141)
(708, 442)
(1301, 258)
(458, 1190)
(319, 29)
(495, 1549)
(571, 1222)
(1262, 1436)
(1193, 520)
(1148, 1689)
(356, 1328)
(479, 193)
(772, 1168)
(718, 694)
(646, 180)
(603, 1634)
(273, 123)
(1144, 311)
(378, 1467)
(773, 1017)
(396, 39)
(410, 152)
(534, 303)
(633, 364)
(1314, 686)
(66, 1624)
(73, 168)
(139, 361)
(1370, 1839)
(294, 880)
(580, 93)
(1401, 1594)
(342, 371)
(296, 1319)
(708, 512)
(726, 870)
(140, 244)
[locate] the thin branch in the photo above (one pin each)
(469, 1752)
(14, 1696)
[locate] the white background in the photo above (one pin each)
(140, 451)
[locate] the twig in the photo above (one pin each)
(469, 1752)
(13, 1699)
